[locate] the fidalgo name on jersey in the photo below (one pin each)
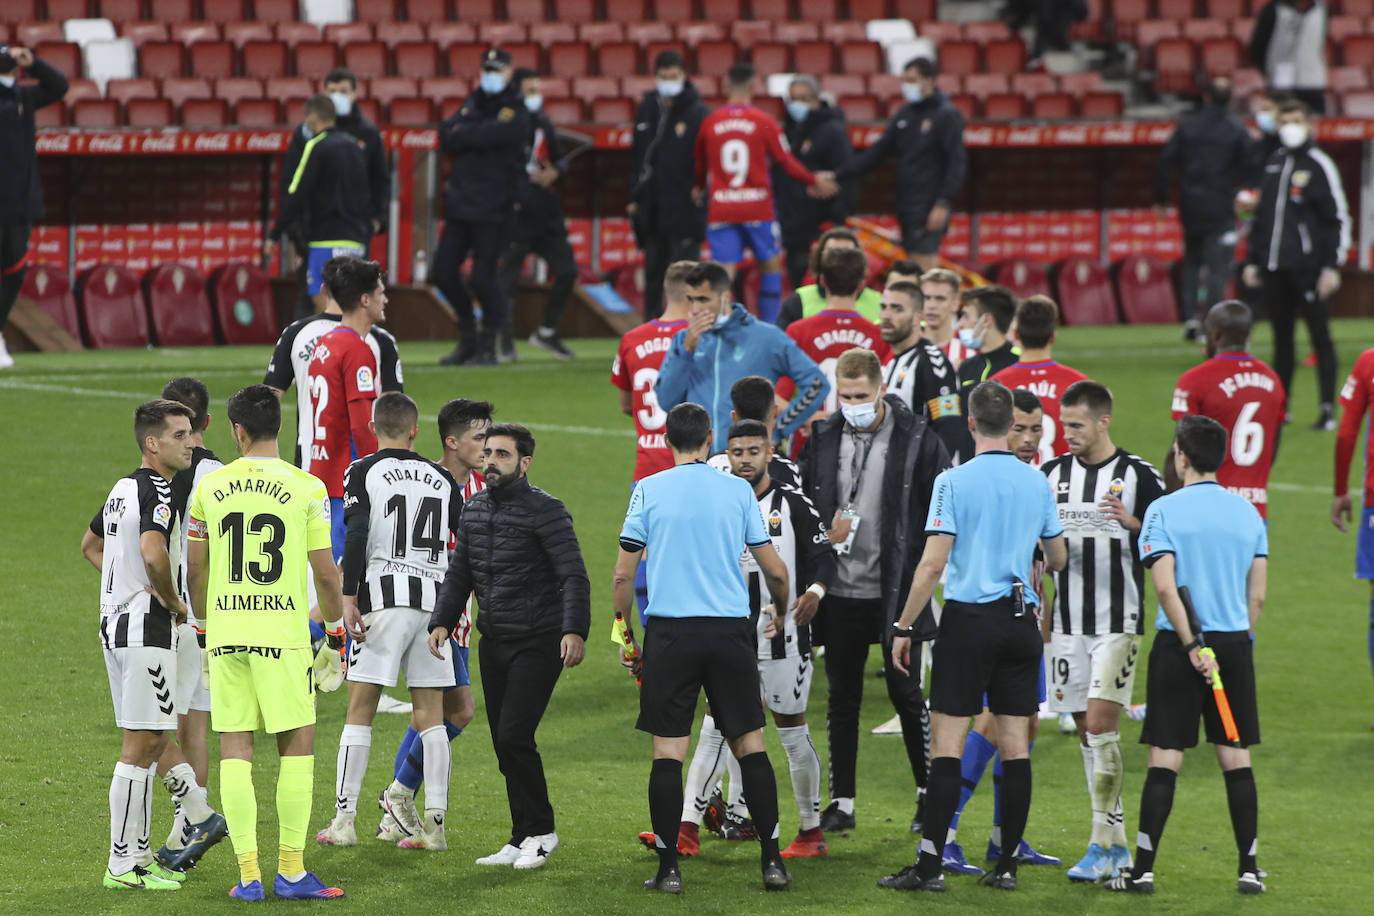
(854, 337)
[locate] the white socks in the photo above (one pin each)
(128, 816)
(708, 760)
(846, 804)
(1105, 786)
(734, 798)
(355, 746)
(189, 795)
(437, 758)
(805, 766)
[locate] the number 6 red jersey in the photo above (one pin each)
(736, 145)
(1245, 396)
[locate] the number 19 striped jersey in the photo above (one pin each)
(129, 616)
(799, 537)
(401, 511)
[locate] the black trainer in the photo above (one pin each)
(909, 879)
(833, 819)
(1003, 881)
(713, 818)
(670, 882)
(736, 829)
(1127, 882)
(460, 355)
(1250, 883)
(775, 877)
(1326, 420)
(550, 343)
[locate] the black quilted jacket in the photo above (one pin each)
(517, 550)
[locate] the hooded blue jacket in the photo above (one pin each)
(742, 346)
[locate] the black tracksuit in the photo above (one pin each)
(821, 143)
(322, 194)
(1302, 225)
(668, 225)
(21, 193)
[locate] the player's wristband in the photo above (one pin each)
(899, 630)
(334, 638)
(200, 637)
(818, 590)
(1195, 644)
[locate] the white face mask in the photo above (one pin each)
(670, 89)
(534, 102)
(342, 103)
(860, 416)
(1292, 135)
(912, 92)
(721, 319)
(8, 81)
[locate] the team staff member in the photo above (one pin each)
(669, 225)
(984, 323)
(256, 527)
(517, 552)
(696, 523)
(1214, 544)
(817, 136)
(985, 519)
(919, 373)
(927, 136)
(809, 300)
(1298, 242)
(539, 227)
(869, 469)
(323, 197)
(21, 193)
(488, 139)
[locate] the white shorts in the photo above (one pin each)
(1083, 668)
(191, 690)
(143, 685)
(398, 642)
(786, 683)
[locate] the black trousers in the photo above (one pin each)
(518, 677)
(849, 626)
(659, 252)
(14, 250)
(546, 237)
(484, 242)
(798, 261)
(1213, 251)
(1289, 293)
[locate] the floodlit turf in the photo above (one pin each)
(67, 437)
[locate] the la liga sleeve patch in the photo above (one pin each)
(365, 381)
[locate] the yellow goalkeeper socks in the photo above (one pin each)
(241, 812)
(295, 786)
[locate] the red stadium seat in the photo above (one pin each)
(119, 10)
(694, 33)
(1351, 7)
(597, 33)
(428, 11)
(815, 56)
(438, 87)
(843, 84)
(289, 87)
(672, 10)
(1145, 291)
(770, 105)
(1057, 106)
(1079, 83)
(564, 111)
(1033, 84)
(122, 91)
(985, 32)
(343, 33)
(818, 10)
(655, 48)
(1358, 103)
(64, 57)
(723, 11)
(50, 116)
(748, 32)
(1358, 51)
(76, 91)
(161, 59)
(370, 109)
(574, 11)
(1222, 56)
(634, 87)
(503, 33)
(23, 10)
(983, 85)
(1343, 79)
(1005, 56)
(1126, 16)
(771, 57)
(316, 58)
(112, 308)
(188, 33)
(793, 32)
(570, 58)
(862, 57)
(205, 113)
(60, 10)
(139, 32)
(771, 10)
(32, 34)
(958, 57)
(149, 113)
(837, 33)
(592, 87)
(244, 308)
(525, 10)
(1226, 10)
(393, 33)
(525, 54)
(940, 32)
(1246, 82)
(475, 10)
(1202, 29)
(165, 10)
(619, 58)
(274, 11)
(864, 10)
(178, 306)
(242, 32)
(49, 288)
(1243, 29)
(965, 104)
(213, 58)
(411, 112)
(884, 84)
(1004, 106)
(645, 32)
(1176, 65)
(179, 90)
(293, 33)
(858, 108)
(1023, 277)
(716, 56)
(418, 59)
(613, 111)
(95, 114)
(387, 88)
(258, 113)
(365, 59)
(1093, 27)
(1175, 9)
(466, 58)
(1084, 293)
(447, 33)
(264, 58)
(556, 87)
(226, 10)
(547, 33)
(1101, 105)
(376, 10)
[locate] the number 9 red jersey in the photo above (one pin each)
(737, 145)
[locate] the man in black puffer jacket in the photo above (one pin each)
(517, 550)
(818, 137)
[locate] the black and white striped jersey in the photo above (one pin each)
(184, 483)
(781, 469)
(1102, 589)
(927, 382)
(401, 510)
(130, 617)
(799, 537)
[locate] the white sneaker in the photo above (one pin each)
(340, 832)
(892, 726)
(535, 851)
(1067, 726)
(388, 830)
(401, 806)
(388, 703)
(506, 856)
(432, 837)
(6, 361)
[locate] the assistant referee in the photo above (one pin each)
(696, 522)
(986, 516)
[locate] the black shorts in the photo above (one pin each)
(981, 649)
(1176, 696)
(684, 654)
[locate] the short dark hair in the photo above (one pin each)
(675, 279)
(322, 107)
(193, 393)
(740, 75)
(518, 77)
(1036, 318)
(1024, 400)
(1292, 104)
(843, 271)
(688, 427)
(1232, 320)
(712, 273)
(835, 232)
(907, 288)
(1095, 396)
(752, 398)
(994, 300)
(990, 406)
(339, 74)
(748, 429)
(668, 58)
(524, 439)
(150, 417)
(258, 410)
(1203, 440)
(924, 66)
(394, 414)
(348, 279)
(460, 413)
(906, 268)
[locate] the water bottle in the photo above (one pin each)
(419, 268)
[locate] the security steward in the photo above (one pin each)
(487, 138)
(986, 518)
(539, 227)
(323, 198)
(696, 523)
(669, 226)
(817, 135)
(1298, 242)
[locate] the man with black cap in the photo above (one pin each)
(488, 139)
(21, 195)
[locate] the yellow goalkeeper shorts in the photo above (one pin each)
(253, 688)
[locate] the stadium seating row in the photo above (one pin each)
(1136, 290)
(173, 306)
(1121, 19)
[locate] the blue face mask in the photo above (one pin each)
(306, 132)
(860, 416)
(493, 83)
(534, 102)
(670, 89)
(912, 92)
(1264, 120)
(798, 111)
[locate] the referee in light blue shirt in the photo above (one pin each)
(696, 524)
(1214, 544)
(987, 516)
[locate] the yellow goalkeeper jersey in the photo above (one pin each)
(261, 517)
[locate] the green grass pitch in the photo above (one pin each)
(67, 437)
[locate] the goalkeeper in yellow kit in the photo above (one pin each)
(257, 527)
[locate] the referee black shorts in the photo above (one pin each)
(1176, 696)
(684, 654)
(981, 649)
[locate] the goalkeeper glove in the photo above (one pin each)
(204, 658)
(329, 660)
